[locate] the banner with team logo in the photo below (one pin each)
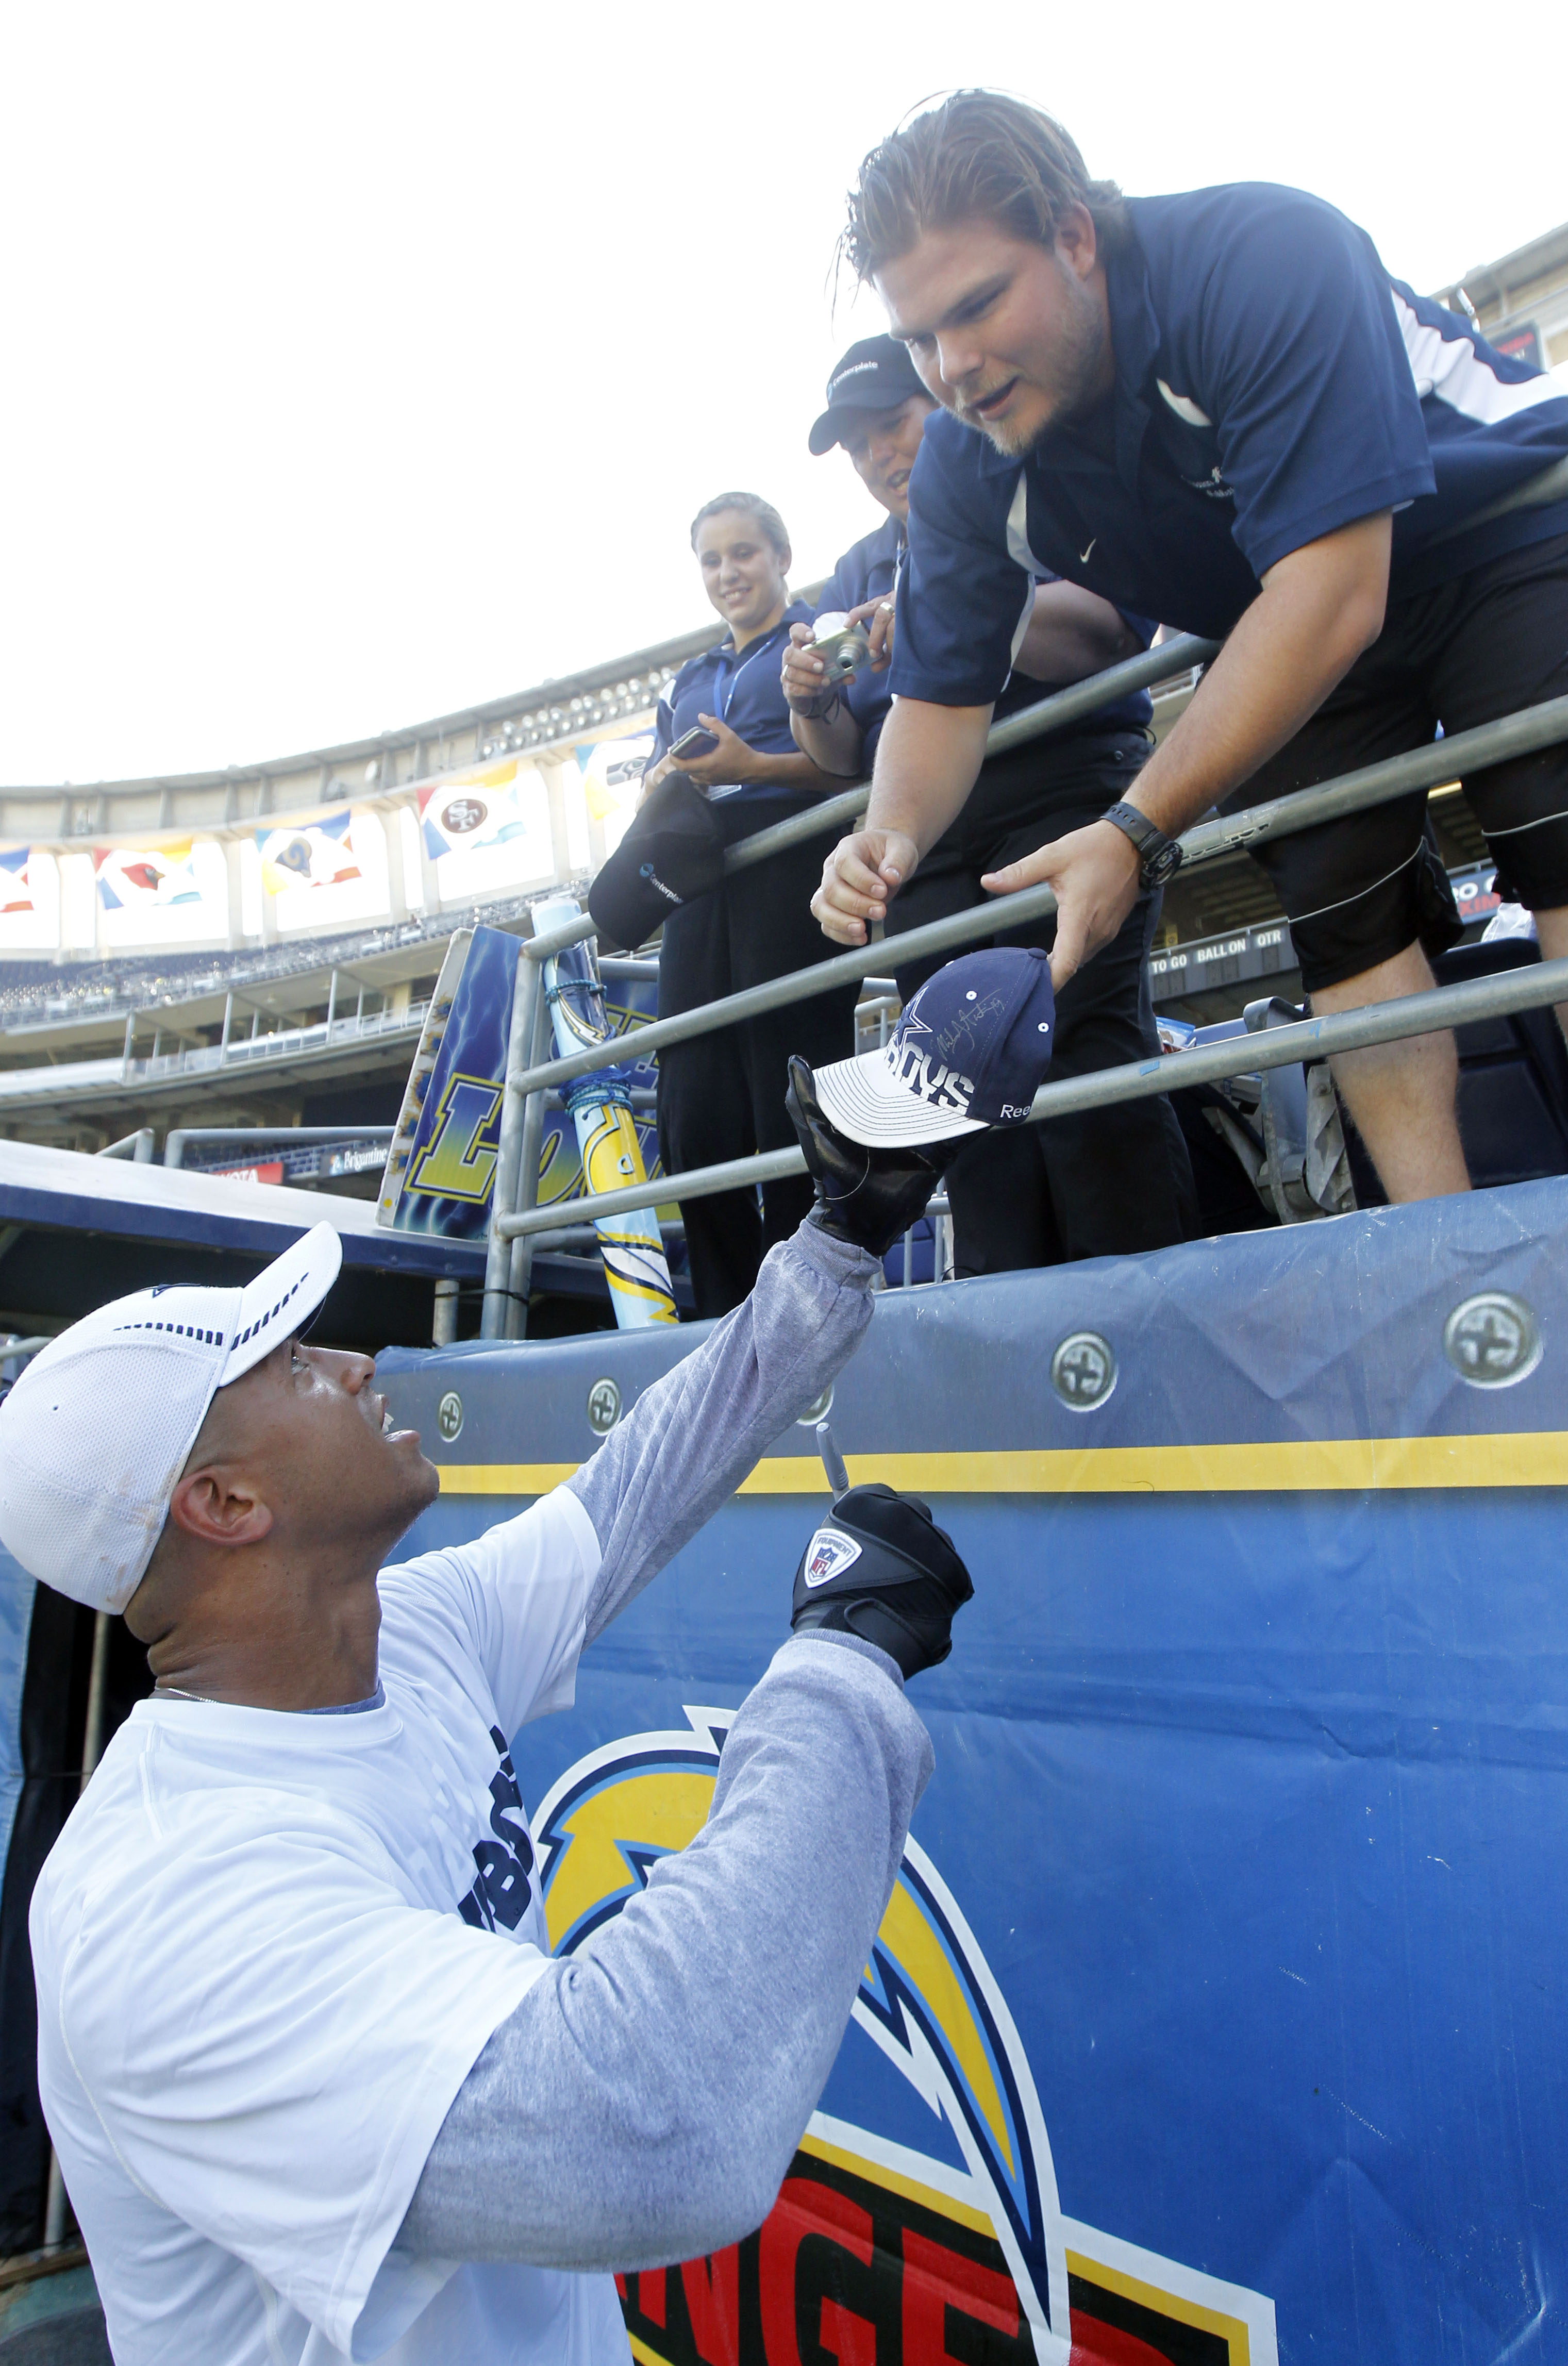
(487, 828)
(16, 888)
(440, 1163)
(147, 878)
(308, 854)
(945, 2242)
(612, 773)
(464, 810)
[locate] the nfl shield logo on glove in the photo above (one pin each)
(828, 1551)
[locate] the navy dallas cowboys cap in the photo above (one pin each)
(971, 1049)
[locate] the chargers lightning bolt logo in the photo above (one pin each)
(927, 1998)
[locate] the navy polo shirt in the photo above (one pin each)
(746, 692)
(869, 571)
(1272, 384)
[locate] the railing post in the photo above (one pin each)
(520, 1271)
(525, 1003)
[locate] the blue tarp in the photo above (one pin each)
(1251, 1788)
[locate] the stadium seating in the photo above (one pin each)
(32, 992)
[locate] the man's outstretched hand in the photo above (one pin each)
(870, 1197)
(1094, 874)
(859, 879)
(880, 1568)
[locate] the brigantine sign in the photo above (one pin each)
(440, 1163)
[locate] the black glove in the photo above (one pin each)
(880, 1568)
(870, 1197)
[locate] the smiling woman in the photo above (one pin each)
(723, 722)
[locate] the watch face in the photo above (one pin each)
(1163, 865)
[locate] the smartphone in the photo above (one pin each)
(695, 742)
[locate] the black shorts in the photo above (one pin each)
(1360, 890)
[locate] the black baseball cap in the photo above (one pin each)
(670, 853)
(875, 374)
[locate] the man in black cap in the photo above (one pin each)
(1109, 1181)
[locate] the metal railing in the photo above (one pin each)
(516, 1221)
(261, 1142)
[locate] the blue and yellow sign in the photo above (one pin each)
(872, 2252)
(448, 1138)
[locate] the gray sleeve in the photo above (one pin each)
(644, 2100)
(690, 1440)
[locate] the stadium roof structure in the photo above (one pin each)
(530, 722)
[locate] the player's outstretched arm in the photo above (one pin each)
(644, 2100)
(691, 1440)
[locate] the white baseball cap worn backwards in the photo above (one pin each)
(94, 1434)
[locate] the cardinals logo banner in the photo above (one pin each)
(154, 878)
(16, 888)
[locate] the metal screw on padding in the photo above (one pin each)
(1493, 1339)
(1083, 1371)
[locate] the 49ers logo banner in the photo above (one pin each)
(877, 2253)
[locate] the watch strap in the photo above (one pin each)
(1152, 847)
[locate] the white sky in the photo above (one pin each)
(367, 360)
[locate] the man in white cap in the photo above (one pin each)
(317, 2086)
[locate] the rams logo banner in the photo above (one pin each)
(875, 2254)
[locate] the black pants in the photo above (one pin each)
(722, 1095)
(1358, 890)
(1103, 1182)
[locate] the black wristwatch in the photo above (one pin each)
(1159, 857)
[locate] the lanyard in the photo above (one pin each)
(761, 650)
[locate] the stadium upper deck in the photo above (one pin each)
(258, 1028)
(549, 718)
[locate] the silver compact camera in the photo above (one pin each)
(843, 649)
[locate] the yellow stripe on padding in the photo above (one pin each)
(1289, 1466)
